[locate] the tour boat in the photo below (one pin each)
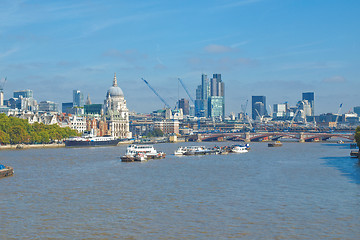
(141, 153)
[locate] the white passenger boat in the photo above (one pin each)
(190, 150)
(240, 148)
(141, 153)
(195, 150)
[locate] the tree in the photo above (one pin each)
(14, 131)
(357, 136)
(4, 137)
(155, 133)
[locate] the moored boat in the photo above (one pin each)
(354, 153)
(239, 148)
(190, 150)
(6, 171)
(141, 153)
(90, 140)
(275, 144)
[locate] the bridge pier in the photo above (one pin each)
(301, 137)
(198, 138)
(247, 137)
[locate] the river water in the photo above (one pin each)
(298, 191)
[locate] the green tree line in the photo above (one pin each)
(357, 136)
(14, 130)
(155, 133)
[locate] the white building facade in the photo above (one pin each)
(116, 113)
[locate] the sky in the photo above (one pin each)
(275, 48)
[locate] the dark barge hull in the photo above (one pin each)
(70, 143)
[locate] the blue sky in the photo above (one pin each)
(276, 48)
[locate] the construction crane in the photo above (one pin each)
(244, 106)
(271, 112)
(186, 90)
(337, 115)
(152, 89)
(292, 120)
(260, 117)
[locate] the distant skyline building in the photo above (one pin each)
(184, 105)
(23, 93)
(48, 106)
(357, 110)
(78, 98)
(216, 106)
(210, 94)
(23, 100)
(67, 108)
(279, 111)
(258, 106)
(310, 97)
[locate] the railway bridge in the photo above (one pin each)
(265, 136)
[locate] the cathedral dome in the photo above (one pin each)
(114, 90)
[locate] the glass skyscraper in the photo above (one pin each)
(310, 97)
(258, 106)
(78, 98)
(210, 100)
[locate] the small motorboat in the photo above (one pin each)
(239, 149)
(6, 171)
(275, 144)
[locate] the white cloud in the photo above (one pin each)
(8, 52)
(213, 48)
(334, 79)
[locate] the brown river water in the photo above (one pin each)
(297, 191)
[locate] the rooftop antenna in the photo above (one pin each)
(2, 83)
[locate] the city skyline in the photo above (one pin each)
(270, 48)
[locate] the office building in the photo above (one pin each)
(23, 93)
(202, 93)
(184, 105)
(310, 97)
(211, 93)
(280, 111)
(48, 106)
(357, 110)
(216, 107)
(67, 108)
(258, 106)
(168, 127)
(78, 98)
(93, 109)
(23, 100)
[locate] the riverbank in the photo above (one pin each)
(27, 146)
(52, 145)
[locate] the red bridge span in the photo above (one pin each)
(264, 136)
